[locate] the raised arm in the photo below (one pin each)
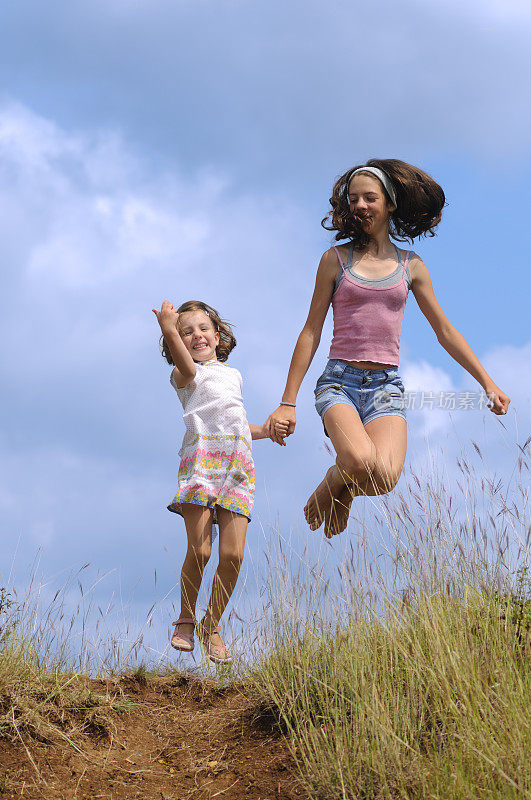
(168, 319)
(449, 337)
(307, 343)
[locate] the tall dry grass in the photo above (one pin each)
(53, 642)
(42, 695)
(408, 676)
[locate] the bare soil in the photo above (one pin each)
(162, 738)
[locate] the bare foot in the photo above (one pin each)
(337, 519)
(319, 503)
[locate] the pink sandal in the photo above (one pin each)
(217, 653)
(183, 641)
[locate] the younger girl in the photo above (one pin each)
(216, 474)
(360, 395)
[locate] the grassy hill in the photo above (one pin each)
(409, 676)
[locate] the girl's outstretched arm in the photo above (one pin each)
(168, 319)
(307, 343)
(449, 337)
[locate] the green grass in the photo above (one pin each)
(430, 699)
(410, 677)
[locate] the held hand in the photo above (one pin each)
(499, 400)
(281, 431)
(167, 317)
(282, 415)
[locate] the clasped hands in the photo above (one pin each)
(281, 424)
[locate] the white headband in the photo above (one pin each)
(380, 174)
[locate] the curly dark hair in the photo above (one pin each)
(227, 340)
(419, 204)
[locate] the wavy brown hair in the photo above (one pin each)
(419, 204)
(227, 340)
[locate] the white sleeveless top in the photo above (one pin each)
(213, 404)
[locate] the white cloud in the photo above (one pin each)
(508, 365)
(101, 217)
(95, 236)
(502, 363)
(421, 379)
(421, 376)
(443, 443)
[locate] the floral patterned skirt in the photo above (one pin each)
(216, 471)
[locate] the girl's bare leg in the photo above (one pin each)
(232, 533)
(198, 522)
(389, 436)
(369, 462)
(355, 456)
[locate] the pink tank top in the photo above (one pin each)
(368, 316)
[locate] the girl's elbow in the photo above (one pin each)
(311, 334)
(185, 375)
(445, 334)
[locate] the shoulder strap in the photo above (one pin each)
(407, 272)
(398, 253)
(340, 272)
(338, 256)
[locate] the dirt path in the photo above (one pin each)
(165, 739)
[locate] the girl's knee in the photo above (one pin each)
(357, 464)
(386, 481)
(230, 557)
(200, 554)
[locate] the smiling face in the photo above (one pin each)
(198, 334)
(369, 202)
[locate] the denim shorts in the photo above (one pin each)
(372, 392)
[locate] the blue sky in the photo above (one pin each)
(188, 149)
